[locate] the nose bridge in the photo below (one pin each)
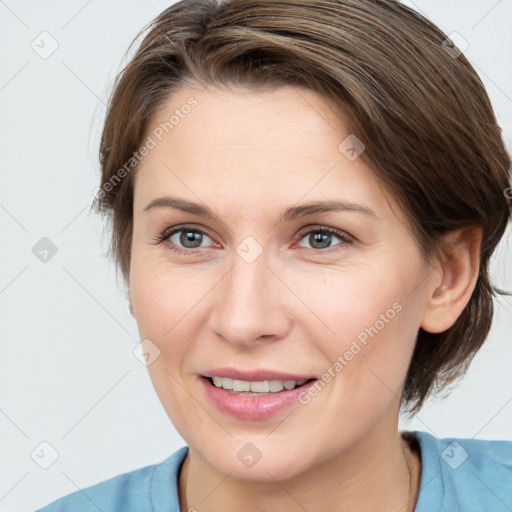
(249, 305)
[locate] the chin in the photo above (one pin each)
(255, 460)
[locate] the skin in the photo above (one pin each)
(249, 155)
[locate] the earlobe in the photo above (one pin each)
(448, 297)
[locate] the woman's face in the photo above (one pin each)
(275, 285)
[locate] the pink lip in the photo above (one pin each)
(253, 407)
(254, 375)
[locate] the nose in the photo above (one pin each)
(251, 304)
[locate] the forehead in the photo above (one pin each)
(274, 145)
(223, 120)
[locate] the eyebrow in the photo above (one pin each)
(291, 213)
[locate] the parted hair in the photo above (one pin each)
(414, 100)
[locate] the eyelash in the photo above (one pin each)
(344, 238)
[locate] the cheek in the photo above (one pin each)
(365, 324)
(167, 309)
(165, 298)
(341, 305)
(169, 304)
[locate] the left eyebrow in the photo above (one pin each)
(297, 212)
(291, 213)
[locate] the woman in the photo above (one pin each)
(304, 199)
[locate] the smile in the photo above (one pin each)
(254, 400)
(255, 388)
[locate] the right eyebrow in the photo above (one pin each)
(183, 205)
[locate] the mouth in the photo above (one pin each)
(254, 400)
(256, 388)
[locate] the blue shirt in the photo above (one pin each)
(466, 475)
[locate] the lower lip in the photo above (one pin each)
(253, 407)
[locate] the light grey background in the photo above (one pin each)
(68, 375)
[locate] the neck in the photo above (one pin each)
(377, 473)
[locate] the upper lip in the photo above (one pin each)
(254, 375)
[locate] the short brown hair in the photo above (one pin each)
(416, 103)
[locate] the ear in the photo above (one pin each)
(458, 273)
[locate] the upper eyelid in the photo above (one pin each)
(194, 227)
(176, 229)
(179, 227)
(340, 233)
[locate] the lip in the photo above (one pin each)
(254, 407)
(254, 375)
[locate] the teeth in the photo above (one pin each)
(266, 386)
(259, 387)
(240, 385)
